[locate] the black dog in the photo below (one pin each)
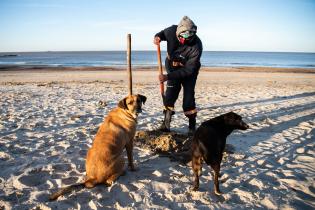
(209, 142)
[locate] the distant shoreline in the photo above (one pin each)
(148, 59)
(152, 68)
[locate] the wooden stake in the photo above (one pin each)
(129, 62)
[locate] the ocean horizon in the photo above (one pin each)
(149, 58)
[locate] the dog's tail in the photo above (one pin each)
(65, 190)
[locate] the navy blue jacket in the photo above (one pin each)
(188, 54)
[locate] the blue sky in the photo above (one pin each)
(228, 25)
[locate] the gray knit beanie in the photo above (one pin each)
(186, 24)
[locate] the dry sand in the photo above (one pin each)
(48, 120)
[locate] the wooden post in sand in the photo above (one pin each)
(129, 62)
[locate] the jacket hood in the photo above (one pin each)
(186, 24)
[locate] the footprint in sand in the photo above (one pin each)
(70, 180)
(62, 167)
(133, 187)
(121, 192)
(81, 135)
(177, 190)
(34, 178)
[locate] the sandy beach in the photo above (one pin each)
(48, 119)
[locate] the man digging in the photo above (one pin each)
(184, 49)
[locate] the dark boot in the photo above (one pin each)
(192, 126)
(166, 124)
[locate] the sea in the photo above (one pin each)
(149, 58)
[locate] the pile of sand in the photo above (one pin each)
(176, 146)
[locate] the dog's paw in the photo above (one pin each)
(133, 168)
(194, 188)
(217, 192)
(109, 183)
(123, 173)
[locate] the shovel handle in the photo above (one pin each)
(160, 68)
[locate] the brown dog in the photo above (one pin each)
(104, 160)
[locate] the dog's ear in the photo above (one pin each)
(142, 98)
(228, 117)
(122, 104)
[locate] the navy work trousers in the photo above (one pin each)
(173, 89)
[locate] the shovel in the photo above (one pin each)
(160, 69)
